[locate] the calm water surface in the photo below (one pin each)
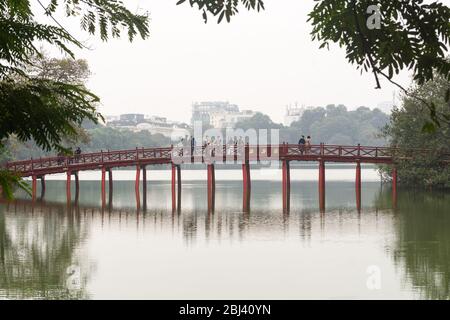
(49, 250)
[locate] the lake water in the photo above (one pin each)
(51, 250)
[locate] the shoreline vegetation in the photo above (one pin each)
(406, 131)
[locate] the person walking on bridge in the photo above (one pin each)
(308, 144)
(77, 154)
(61, 157)
(192, 145)
(301, 144)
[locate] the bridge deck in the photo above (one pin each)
(218, 154)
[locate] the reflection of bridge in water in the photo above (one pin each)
(209, 155)
(194, 224)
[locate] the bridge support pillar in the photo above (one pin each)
(246, 186)
(144, 187)
(68, 191)
(103, 186)
(77, 186)
(178, 187)
(33, 187)
(110, 191)
(211, 185)
(322, 185)
(174, 191)
(42, 187)
(286, 181)
(358, 186)
(136, 187)
(394, 187)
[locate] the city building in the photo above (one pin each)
(233, 118)
(153, 124)
(293, 114)
(132, 117)
(212, 112)
(111, 119)
(218, 114)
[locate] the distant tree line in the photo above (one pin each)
(331, 125)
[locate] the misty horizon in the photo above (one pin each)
(245, 62)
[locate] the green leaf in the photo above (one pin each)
(429, 127)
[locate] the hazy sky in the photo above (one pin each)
(262, 61)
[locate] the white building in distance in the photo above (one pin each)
(293, 114)
(152, 124)
(218, 114)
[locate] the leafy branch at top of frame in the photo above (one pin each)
(412, 36)
(223, 8)
(20, 31)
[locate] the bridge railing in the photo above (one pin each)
(97, 158)
(337, 151)
(213, 153)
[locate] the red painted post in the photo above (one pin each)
(33, 188)
(257, 153)
(244, 176)
(286, 177)
(42, 187)
(208, 186)
(246, 186)
(77, 186)
(68, 193)
(174, 194)
(144, 186)
(110, 181)
(178, 187)
(283, 183)
(394, 187)
(136, 187)
(110, 190)
(249, 181)
(247, 153)
(211, 185)
(103, 186)
(358, 186)
(322, 185)
(144, 180)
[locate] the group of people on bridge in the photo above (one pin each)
(210, 144)
(304, 144)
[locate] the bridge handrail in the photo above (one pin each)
(284, 149)
(364, 147)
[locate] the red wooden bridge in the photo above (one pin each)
(140, 158)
